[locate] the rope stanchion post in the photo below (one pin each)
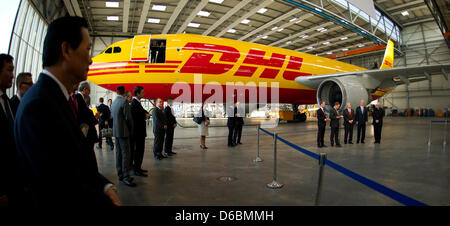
(275, 184)
(258, 159)
(429, 137)
(322, 159)
(444, 143)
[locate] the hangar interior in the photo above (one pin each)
(335, 29)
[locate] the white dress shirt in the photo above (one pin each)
(61, 86)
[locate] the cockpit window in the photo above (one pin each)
(109, 50)
(117, 49)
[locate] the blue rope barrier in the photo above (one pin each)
(439, 121)
(403, 199)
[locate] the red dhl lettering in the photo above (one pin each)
(201, 62)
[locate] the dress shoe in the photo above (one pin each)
(165, 155)
(128, 183)
(345, 142)
(239, 143)
(158, 157)
(362, 142)
(172, 153)
(332, 145)
(357, 142)
(141, 174)
(143, 170)
(350, 142)
(338, 146)
(324, 146)
(319, 146)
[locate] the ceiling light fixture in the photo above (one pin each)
(193, 25)
(245, 21)
(159, 7)
(154, 20)
(204, 13)
(112, 4)
(262, 10)
(112, 18)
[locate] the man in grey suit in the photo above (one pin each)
(121, 114)
(159, 130)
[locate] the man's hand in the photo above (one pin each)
(174, 125)
(366, 123)
(97, 116)
(106, 123)
(112, 194)
(165, 127)
(207, 122)
(147, 116)
(351, 121)
(377, 121)
(356, 122)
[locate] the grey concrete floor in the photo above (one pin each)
(401, 162)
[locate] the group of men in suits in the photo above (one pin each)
(48, 154)
(235, 123)
(351, 117)
(164, 124)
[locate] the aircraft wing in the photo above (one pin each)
(384, 78)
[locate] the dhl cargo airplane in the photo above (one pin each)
(157, 62)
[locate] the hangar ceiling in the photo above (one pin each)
(331, 27)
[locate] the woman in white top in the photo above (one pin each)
(203, 127)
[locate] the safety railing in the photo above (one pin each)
(322, 158)
(444, 139)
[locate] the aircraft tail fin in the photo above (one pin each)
(388, 60)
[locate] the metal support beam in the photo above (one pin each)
(126, 14)
(76, 8)
(245, 16)
(174, 16)
(144, 13)
(69, 7)
(283, 26)
(271, 23)
(444, 73)
(194, 13)
(296, 35)
(236, 8)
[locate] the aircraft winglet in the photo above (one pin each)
(388, 60)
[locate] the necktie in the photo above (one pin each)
(73, 107)
(8, 110)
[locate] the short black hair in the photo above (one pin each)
(5, 58)
(337, 103)
(64, 29)
(137, 90)
(169, 99)
(101, 100)
(21, 78)
(120, 90)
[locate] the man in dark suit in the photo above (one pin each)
(13, 191)
(239, 123)
(334, 124)
(86, 118)
(349, 118)
(361, 119)
(231, 124)
(139, 132)
(123, 123)
(60, 168)
(103, 122)
(321, 124)
(378, 114)
(24, 82)
(171, 125)
(159, 130)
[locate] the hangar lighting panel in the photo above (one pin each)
(264, 37)
(112, 18)
(193, 25)
(293, 19)
(262, 10)
(345, 49)
(274, 28)
(361, 45)
(326, 43)
(310, 47)
(288, 42)
(204, 13)
(329, 53)
(405, 13)
(154, 20)
(216, 1)
(344, 38)
(245, 21)
(231, 31)
(304, 36)
(159, 7)
(112, 4)
(281, 29)
(321, 29)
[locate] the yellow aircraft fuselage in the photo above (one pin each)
(158, 62)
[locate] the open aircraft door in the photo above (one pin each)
(140, 48)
